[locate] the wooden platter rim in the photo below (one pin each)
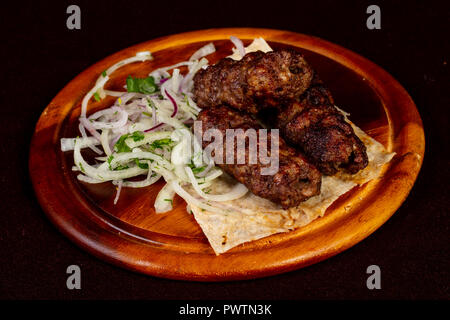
(182, 266)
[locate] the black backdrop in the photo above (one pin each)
(40, 55)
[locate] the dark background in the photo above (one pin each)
(40, 55)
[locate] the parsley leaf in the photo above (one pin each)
(121, 146)
(137, 136)
(196, 170)
(146, 85)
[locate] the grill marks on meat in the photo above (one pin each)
(296, 179)
(257, 81)
(306, 114)
(314, 124)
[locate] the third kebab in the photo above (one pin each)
(284, 81)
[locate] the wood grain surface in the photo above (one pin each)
(172, 245)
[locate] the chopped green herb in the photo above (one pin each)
(104, 73)
(141, 165)
(186, 100)
(169, 200)
(151, 104)
(81, 167)
(97, 97)
(146, 85)
(120, 167)
(110, 158)
(147, 114)
(121, 146)
(161, 143)
(137, 136)
(195, 169)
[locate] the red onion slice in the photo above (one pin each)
(154, 128)
(88, 125)
(175, 105)
(163, 80)
(81, 127)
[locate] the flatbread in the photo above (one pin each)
(251, 217)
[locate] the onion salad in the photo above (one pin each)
(146, 136)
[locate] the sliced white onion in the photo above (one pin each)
(203, 51)
(114, 93)
(119, 188)
(119, 123)
(164, 199)
(188, 83)
(149, 180)
(101, 173)
(238, 44)
(68, 144)
(191, 200)
(87, 124)
(126, 157)
(139, 57)
(214, 173)
(104, 138)
(175, 80)
(100, 83)
(149, 137)
(238, 191)
(181, 153)
(81, 127)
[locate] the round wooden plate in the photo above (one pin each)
(172, 245)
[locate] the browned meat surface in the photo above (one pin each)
(316, 126)
(306, 115)
(296, 179)
(257, 81)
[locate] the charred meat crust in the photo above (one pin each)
(257, 81)
(295, 181)
(315, 125)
